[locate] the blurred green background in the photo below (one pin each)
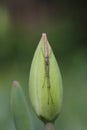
(21, 26)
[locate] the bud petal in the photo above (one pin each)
(45, 83)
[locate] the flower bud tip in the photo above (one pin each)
(44, 37)
(14, 84)
(44, 34)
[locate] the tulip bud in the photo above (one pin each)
(45, 83)
(19, 107)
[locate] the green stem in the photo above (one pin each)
(49, 126)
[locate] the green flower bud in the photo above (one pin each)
(19, 107)
(45, 83)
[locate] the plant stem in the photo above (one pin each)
(49, 126)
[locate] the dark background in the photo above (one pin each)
(21, 26)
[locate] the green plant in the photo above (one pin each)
(19, 107)
(45, 90)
